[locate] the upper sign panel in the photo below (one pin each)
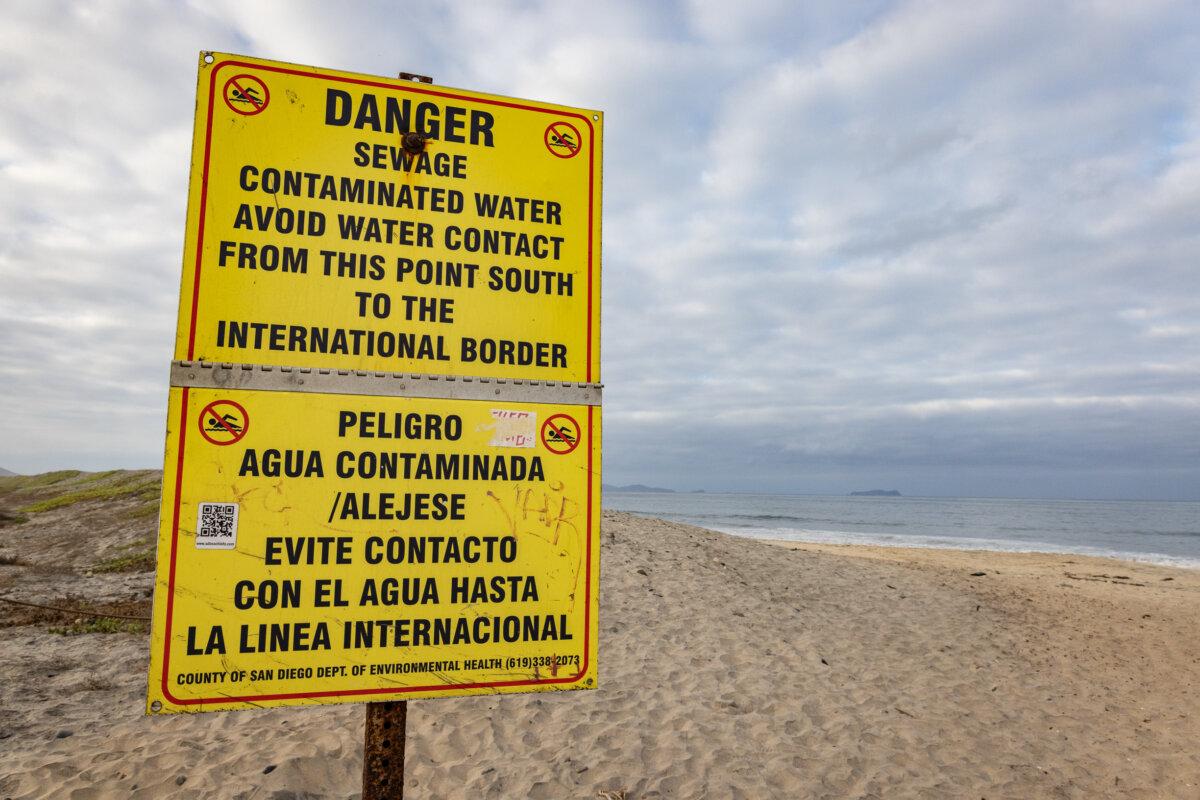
(316, 239)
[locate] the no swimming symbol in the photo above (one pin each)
(560, 434)
(246, 95)
(224, 422)
(562, 139)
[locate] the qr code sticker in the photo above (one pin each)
(216, 526)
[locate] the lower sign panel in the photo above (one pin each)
(318, 548)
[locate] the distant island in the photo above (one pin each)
(638, 487)
(6, 473)
(877, 493)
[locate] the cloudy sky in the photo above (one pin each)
(950, 248)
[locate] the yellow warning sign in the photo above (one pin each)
(386, 548)
(345, 221)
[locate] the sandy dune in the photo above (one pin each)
(729, 669)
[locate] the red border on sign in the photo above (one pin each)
(256, 108)
(166, 671)
(216, 68)
(549, 423)
(237, 436)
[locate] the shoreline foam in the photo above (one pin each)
(961, 544)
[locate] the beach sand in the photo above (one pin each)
(729, 668)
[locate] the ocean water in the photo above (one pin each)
(1159, 532)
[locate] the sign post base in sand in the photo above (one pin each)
(383, 750)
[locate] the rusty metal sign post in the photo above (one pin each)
(384, 737)
(385, 728)
(382, 471)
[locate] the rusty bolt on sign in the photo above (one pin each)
(412, 76)
(413, 142)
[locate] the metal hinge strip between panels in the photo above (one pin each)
(260, 377)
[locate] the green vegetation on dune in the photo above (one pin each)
(96, 477)
(9, 518)
(104, 502)
(145, 490)
(136, 557)
(147, 509)
(16, 483)
(99, 625)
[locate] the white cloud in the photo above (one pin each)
(934, 238)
